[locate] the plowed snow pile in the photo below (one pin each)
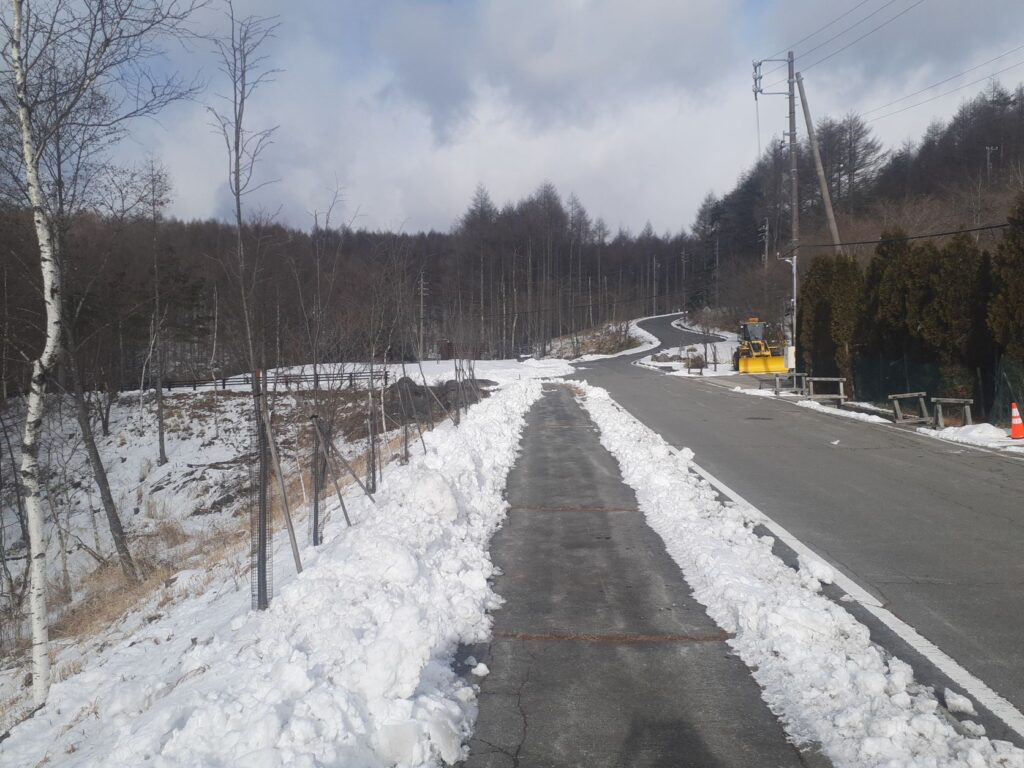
(351, 665)
(816, 664)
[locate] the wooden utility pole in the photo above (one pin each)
(822, 181)
(422, 294)
(794, 185)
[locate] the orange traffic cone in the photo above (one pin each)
(1016, 425)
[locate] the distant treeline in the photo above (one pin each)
(502, 282)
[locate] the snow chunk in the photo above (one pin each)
(958, 704)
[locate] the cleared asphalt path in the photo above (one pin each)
(600, 656)
(934, 530)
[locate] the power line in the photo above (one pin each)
(869, 32)
(984, 228)
(855, 24)
(945, 93)
(854, 41)
(837, 35)
(819, 29)
(943, 82)
(543, 310)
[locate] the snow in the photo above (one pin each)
(760, 392)
(352, 663)
(814, 405)
(957, 703)
(818, 669)
(982, 435)
(648, 341)
(500, 371)
(721, 350)
(870, 418)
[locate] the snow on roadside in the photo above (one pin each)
(871, 418)
(351, 665)
(983, 435)
(648, 341)
(816, 664)
(436, 371)
(721, 350)
(814, 405)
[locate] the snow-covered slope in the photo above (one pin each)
(351, 665)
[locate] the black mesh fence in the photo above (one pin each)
(318, 476)
(1009, 388)
(993, 392)
(261, 561)
(876, 378)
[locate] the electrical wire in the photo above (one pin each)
(545, 310)
(983, 228)
(757, 117)
(852, 42)
(837, 35)
(869, 32)
(942, 82)
(945, 93)
(819, 29)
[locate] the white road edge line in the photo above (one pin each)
(887, 425)
(996, 704)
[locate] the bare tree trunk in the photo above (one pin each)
(99, 472)
(158, 361)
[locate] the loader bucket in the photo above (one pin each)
(767, 364)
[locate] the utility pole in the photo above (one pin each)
(682, 279)
(716, 267)
(822, 181)
(794, 198)
(654, 285)
(423, 292)
(988, 161)
(762, 235)
(794, 201)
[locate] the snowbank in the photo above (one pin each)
(871, 418)
(983, 435)
(816, 664)
(722, 350)
(814, 405)
(351, 665)
(648, 341)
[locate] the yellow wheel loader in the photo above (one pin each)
(757, 353)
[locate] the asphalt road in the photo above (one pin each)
(600, 656)
(934, 530)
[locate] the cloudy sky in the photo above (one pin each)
(639, 107)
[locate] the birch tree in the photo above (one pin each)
(74, 74)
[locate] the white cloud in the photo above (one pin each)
(638, 108)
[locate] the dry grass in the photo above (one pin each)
(107, 597)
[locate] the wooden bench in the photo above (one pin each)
(904, 418)
(965, 404)
(838, 397)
